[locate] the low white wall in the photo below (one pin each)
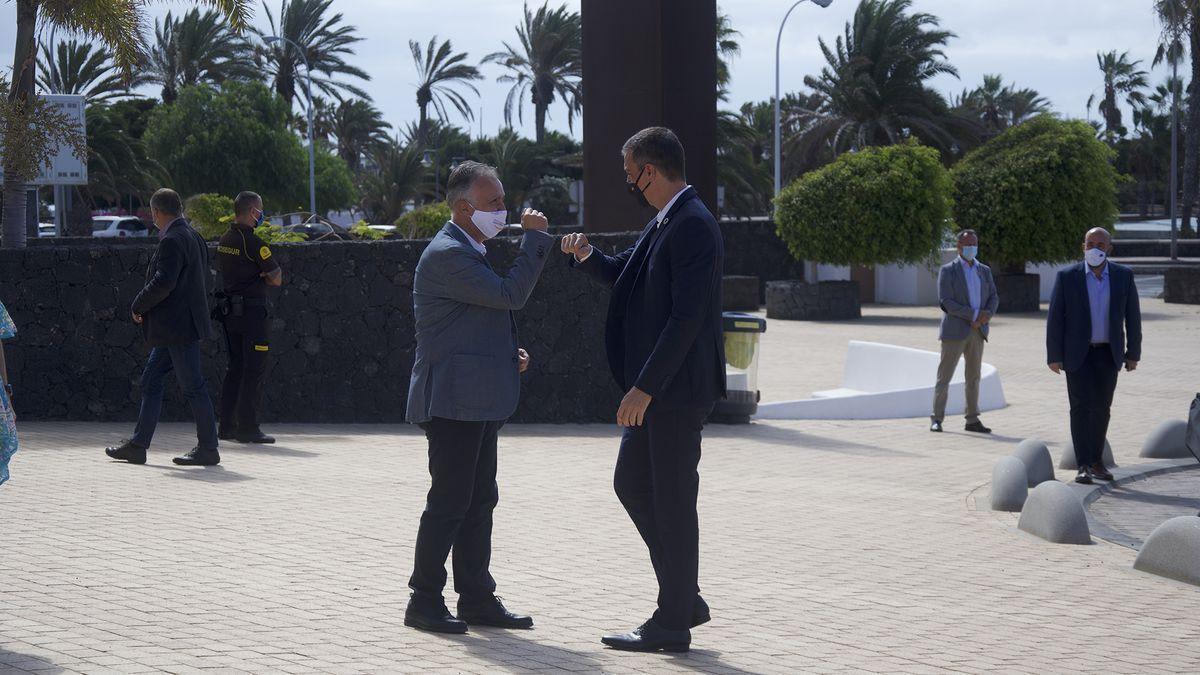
(917, 284)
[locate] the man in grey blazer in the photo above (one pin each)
(465, 384)
(967, 295)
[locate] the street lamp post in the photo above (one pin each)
(778, 143)
(1174, 161)
(312, 162)
(430, 158)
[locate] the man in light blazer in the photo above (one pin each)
(465, 384)
(967, 295)
(1094, 327)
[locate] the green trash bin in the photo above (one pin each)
(742, 335)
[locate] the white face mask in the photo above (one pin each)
(1095, 257)
(489, 223)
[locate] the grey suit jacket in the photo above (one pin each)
(466, 362)
(956, 302)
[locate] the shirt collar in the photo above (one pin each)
(1103, 272)
(471, 240)
(667, 209)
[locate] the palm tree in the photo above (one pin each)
(397, 180)
(1181, 37)
(359, 130)
(548, 65)
(1026, 104)
(1121, 78)
(741, 165)
(118, 25)
(872, 90)
(75, 67)
(325, 40)
(196, 48)
(441, 70)
(999, 106)
(727, 48)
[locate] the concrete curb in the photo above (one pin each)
(1123, 476)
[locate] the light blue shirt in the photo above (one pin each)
(974, 285)
(1099, 300)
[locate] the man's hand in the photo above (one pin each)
(576, 245)
(1130, 365)
(534, 220)
(633, 408)
(984, 317)
(1056, 367)
(522, 360)
(137, 318)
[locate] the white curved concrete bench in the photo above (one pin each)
(884, 381)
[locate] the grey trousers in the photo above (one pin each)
(972, 349)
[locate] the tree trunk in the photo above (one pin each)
(12, 229)
(540, 120)
(1191, 150)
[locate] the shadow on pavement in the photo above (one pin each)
(706, 660)
(515, 652)
(1122, 492)
(762, 433)
(17, 662)
(264, 449)
(205, 474)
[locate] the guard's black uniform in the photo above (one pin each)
(242, 259)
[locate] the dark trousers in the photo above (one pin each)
(184, 359)
(657, 482)
(1090, 390)
(247, 343)
(458, 510)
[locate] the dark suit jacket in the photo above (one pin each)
(663, 333)
(1069, 326)
(174, 301)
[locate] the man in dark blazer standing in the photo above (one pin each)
(1094, 327)
(172, 310)
(666, 349)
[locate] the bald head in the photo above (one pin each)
(1097, 235)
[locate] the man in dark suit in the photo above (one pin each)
(172, 310)
(666, 349)
(1093, 309)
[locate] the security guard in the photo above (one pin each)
(247, 269)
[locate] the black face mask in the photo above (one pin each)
(639, 193)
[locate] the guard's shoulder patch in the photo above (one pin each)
(264, 252)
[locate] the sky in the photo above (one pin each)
(1048, 45)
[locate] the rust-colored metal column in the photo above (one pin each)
(646, 63)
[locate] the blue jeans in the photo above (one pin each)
(184, 359)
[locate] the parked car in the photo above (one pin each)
(119, 226)
(45, 229)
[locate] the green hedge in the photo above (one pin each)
(424, 222)
(1035, 190)
(872, 207)
(210, 214)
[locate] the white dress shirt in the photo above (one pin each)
(657, 221)
(474, 244)
(974, 285)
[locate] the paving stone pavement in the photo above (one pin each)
(826, 545)
(1136, 508)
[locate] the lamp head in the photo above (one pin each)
(427, 159)
(271, 39)
(822, 3)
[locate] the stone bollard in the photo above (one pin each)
(1055, 514)
(1173, 550)
(1009, 489)
(1167, 441)
(1036, 457)
(1067, 461)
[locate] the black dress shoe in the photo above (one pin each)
(701, 614)
(650, 637)
(224, 434)
(432, 616)
(255, 437)
(1101, 472)
(935, 427)
(1084, 476)
(198, 457)
(129, 452)
(977, 427)
(491, 612)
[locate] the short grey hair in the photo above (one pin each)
(463, 178)
(963, 234)
(167, 201)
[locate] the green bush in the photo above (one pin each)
(423, 223)
(362, 230)
(1035, 190)
(210, 214)
(872, 207)
(275, 234)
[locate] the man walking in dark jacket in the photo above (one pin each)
(172, 310)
